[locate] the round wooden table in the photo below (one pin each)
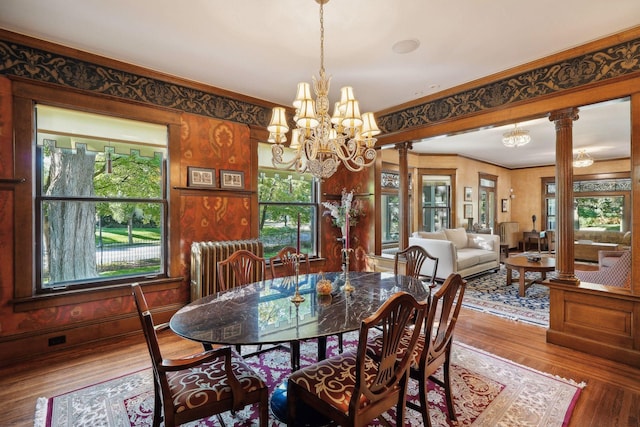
(522, 265)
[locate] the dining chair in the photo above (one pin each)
(240, 268)
(414, 257)
(199, 385)
(286, 256)
(357, 386)
(435, 352)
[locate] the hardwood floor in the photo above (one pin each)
(611, 397)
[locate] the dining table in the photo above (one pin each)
(263, 313)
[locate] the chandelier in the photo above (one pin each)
(516, 137)
(320, 141)
(582, 160)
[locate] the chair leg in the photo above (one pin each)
(157, 405)
(424, 403)
(340, 347)
(447, 390)
(264, 409)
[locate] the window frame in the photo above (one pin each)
(25, 97)
(41, 199)
(314, 204)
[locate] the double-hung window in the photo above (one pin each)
(289, 208)
(100, 200)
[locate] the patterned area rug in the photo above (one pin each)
(491, 294)
(488, 391)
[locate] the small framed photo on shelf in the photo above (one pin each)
(467, 194)
(468, 210)
(201, 177)
(505, 205)
(232, 179)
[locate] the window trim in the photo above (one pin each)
(25, 97)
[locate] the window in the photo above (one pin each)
(599, 204)
(436, 202)
(390, 209)
(283, 197)
(100, 199)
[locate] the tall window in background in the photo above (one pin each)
(436, 202)
(100, 199)
(282, 195)
(390, 209)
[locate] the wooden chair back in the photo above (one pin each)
(373, 381)
(201, 385)
(287, 258)
(240, 268)
(414, 257)
(438, 338)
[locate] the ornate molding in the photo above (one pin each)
(47, 67)
(39, 65)
(607, 63)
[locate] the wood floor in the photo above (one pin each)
(611, 397)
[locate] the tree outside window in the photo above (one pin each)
(99, 201)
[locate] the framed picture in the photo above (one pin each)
(505, 205)
(201, 177)
(468, 210)
(231, 179)
(467, 194)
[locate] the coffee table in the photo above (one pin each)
(522, 265)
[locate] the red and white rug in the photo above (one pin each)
(488, 391)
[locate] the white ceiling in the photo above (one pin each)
(263, 48)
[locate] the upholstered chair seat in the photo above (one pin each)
(207, 383)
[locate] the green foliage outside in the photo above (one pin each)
(599, 212)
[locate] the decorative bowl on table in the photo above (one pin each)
(534, 258)
(324, 286)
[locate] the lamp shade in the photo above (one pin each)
(369, 126)
(307, 115)
(352, 118)
(278, 125)
(303, 92)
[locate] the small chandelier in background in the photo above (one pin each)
(582, 160)
(320, 141)
(516, 137)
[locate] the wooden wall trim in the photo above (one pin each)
(40, 61)
(612, 58)
(18, 348)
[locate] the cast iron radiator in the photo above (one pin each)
(204, 259)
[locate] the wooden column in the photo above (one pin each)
(403, 163)
(563, 120)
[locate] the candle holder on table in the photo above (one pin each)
(348, 287)
(297, 298)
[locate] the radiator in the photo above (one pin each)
(204, 259)
(509, 233)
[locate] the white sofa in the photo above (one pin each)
(458, 252)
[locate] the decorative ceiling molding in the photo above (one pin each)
(595, 67)
(39, 65)
(35, 64)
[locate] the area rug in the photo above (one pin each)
(491, 294)
(488, 391)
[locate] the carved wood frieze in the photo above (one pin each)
(595, 67)
(36, 64)
(20, 60)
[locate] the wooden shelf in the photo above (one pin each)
(226, 191)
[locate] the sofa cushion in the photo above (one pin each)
(436, 235)
(458, 236)
(478, 242)
(467, 258)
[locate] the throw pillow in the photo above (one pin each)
(458, 236)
